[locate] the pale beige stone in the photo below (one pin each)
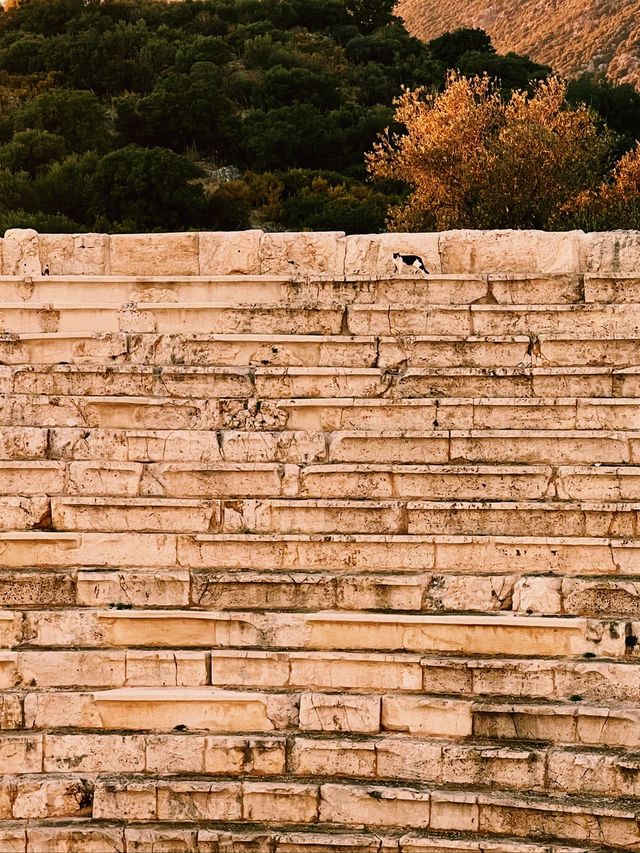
(23, 444)
(440, 482)
(174, 753)
(135, 514)
(11, 716)
(8, 668)
(199, 801)
(24, 550)
(428, 716)
(318, 670)
(586, 597)
(125, 800)
(37, 478)
(611, 252)
(74, 254)
(94, 753)
(319, 842)
(501, 767)
(300, 254)
(277, 803)
(161, 840)
(151, 589)
(70, 668)
(20, 253)
(165, 669)
(9, 631)
(335, 553)
(13, 840)
(212, 710)
(153, 254)
(50, 797)
(400, 758)
(229, 253)
(510, 251)
(257, 479)
(333, 758)
(62, 839)
(375, 806)
(536, 289)
(335, 713)
(371, 255)
(611, 287)
(592, 773)
(550, 636)
(538, 595)
(21, 754)
(455, 810)
(254, 757)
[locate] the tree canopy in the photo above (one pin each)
(141, 114)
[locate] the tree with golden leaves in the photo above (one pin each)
(615, 204)
(475, 160)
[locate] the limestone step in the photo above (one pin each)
(350, 673)
(263, 479)
(508, 678)
(274, 383)
(592, 321)
(469, 482)
(362, 553)
(23, 513)
(425, 592)
(611, 288)
(387, 720)
(329, 630)
(251, 289)
(409, 807)
(519, 766)
(549, 447)
(327, 414)
(315, 350)
(136, 514)
(556, 413)
(600, 682)
(584, 321)
(302, 447)
(305, 591)
(584, 725)
(86, 837)
(163, 317)
(210, 349)
(338, 516)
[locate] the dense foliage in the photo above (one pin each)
(139, 114)
(475, 159)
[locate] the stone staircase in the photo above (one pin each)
(299, 555)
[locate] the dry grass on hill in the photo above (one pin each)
(570, 35)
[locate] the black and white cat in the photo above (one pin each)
(401, 262)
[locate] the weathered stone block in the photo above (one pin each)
(510, 251)
(154, 254)
(74, 254)
(301, 254)
(371, 255)
(230, 253)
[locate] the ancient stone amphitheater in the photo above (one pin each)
(301, 554)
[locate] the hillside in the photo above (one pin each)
(570, 35)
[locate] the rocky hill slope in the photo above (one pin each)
(570, 35)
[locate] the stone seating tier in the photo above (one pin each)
(303, 554)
